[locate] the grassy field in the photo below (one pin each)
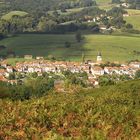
(134, 18)
(107, 6)
(103, 1)
(133, 11)
(113, 48)
(14, 13)
(13, 61)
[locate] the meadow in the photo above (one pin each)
(134, 18)
(9, 15)
(113, 47)
(103, 1)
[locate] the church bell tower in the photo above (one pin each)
(99, 57)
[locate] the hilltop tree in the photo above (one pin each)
(118, 22)
(78, 36)
(116, 1)
(67, 44)
(116, 11)
(45, 25)
(1, 36)
(129, 26)
(11, 76)
(87, 3)
(137, 4)
(106, 80)
(137, 74)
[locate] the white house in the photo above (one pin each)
(9, 69)
(31, 70)
(99, 58)
(39, 57)
(135, 64)
(38, 69)
(125, 15)
(125, 5)
(96, 70)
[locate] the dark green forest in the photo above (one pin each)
(58, 17)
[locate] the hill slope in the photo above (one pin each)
(114, 48)
(106, 113)
(134, 18)
(41, 5)
(14, 13)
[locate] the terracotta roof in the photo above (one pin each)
(2, 70)
(96, 68)
(2, 78)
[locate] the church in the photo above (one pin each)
(99, 58)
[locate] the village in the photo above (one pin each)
(39, 66)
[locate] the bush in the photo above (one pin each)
(107, 113)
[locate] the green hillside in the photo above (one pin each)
(14, 13)
(114, 48)
(107, 113)
(103, 1)
(134, 18)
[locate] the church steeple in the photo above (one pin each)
(99, 57)
(99, 54)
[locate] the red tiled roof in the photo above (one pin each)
(2, 78)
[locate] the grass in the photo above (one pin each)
(134, 18)
(113, 47)
(133, 12)
(103, 1)
(107, 6)
(14, 13)
(13, 61)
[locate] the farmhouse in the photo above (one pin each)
(103, 27)
(39, 57)
(126, 15)
(125, 5)
(28, 57)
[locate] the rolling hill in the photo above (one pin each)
(114, 48)
(134, 18)
(14, 13)
(107, 113)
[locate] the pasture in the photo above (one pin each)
(103, 1)
(134, 18)
(9, 15)
(113, 47)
